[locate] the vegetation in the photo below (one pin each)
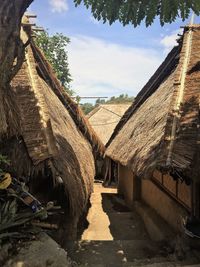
(87, 107)
(121, 99)
(135, 11)
(3, 162)
(54, 48)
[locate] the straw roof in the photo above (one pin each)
(160, 129)
(54, 134)
(104, 119)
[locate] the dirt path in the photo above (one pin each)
(98, 219)
(116, 236)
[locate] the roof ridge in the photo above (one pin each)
(149, 88)
(179, 83)
(91, 113)
(75, 111)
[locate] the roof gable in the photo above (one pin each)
(105, 117)
(160, 130)
(53, 136)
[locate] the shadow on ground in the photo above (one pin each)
(124, 223)
(130, 244)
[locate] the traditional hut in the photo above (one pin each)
(104, 119)
(156, 143)
(47, 138)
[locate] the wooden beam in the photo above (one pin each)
(32, 16)
(28, 24)
(38, 29)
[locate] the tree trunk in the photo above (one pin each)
(11, 50)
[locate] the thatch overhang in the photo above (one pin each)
(46, 72)
(54, 139)
(104, 119)
(161, 128)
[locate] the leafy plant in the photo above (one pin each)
(54, 48)
(87, 107)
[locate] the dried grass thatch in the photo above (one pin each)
(104, 119)
(54, 140)
(46, 72)
(160, 129)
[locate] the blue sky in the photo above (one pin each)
(106, 60)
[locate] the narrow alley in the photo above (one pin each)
(115, 235)
(99, 133)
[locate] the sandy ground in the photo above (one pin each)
(98, 219)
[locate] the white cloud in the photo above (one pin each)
(100, 68)
(58, 5)
(169, 41)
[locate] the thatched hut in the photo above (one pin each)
(47, 139)
(158, 137)
(104, 119)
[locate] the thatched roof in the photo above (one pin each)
(161, 128)
(54, 131)
(104, 119)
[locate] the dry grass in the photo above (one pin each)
(73, 161)
(46, 72)
(51, 139)
(143, 137)
(104, 119)
(138, 142)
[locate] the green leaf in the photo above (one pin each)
(136, 11)
(55, 49)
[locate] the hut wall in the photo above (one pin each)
(169, 198)
(104, 119)
(167, 207)
(181, 192)
(128, 185)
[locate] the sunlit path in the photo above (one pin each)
(99, 222)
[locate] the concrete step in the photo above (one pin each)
(116, 236)
(115, 253)
(126, 226)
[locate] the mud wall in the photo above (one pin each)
(126, 184)
(163, 204)
(160, 198)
